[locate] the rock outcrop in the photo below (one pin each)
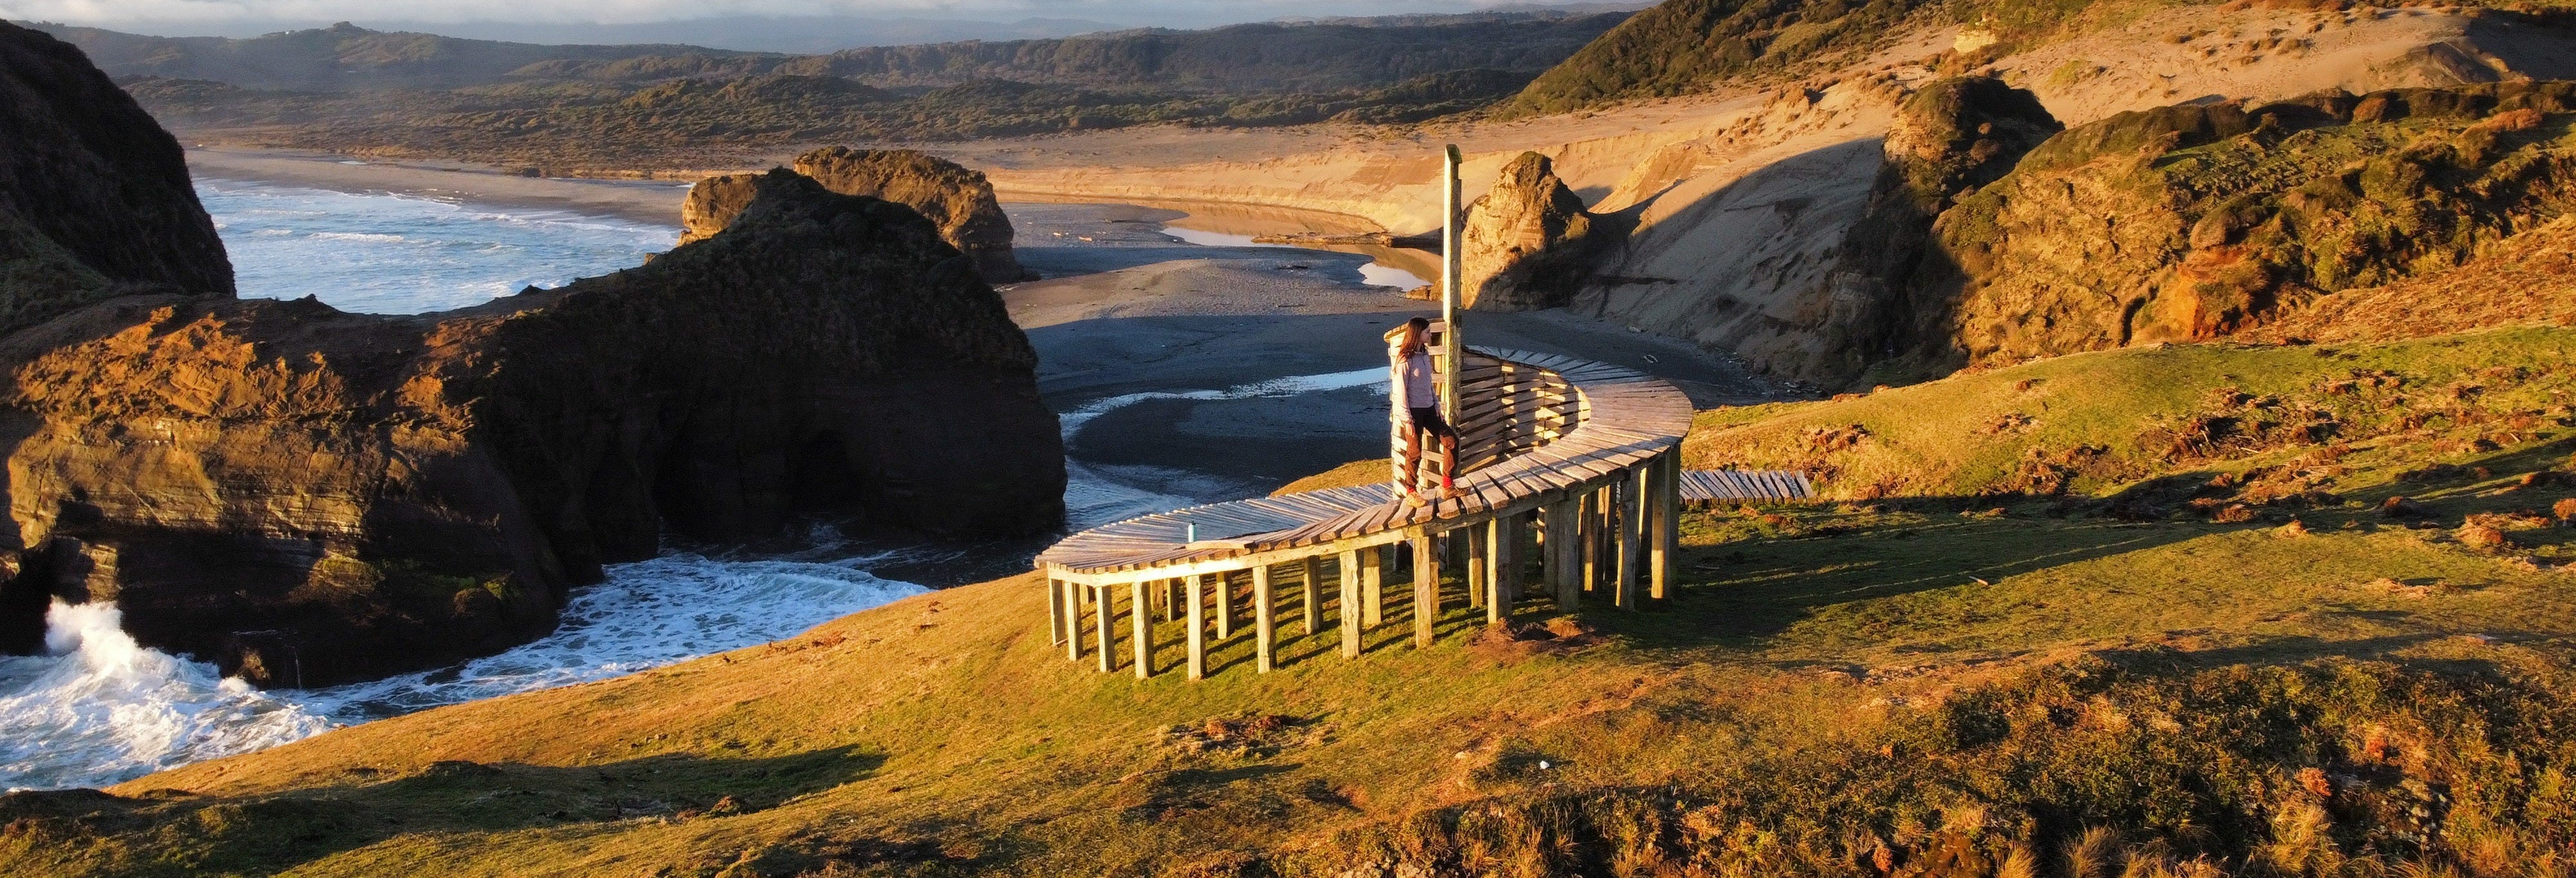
(957, 200)
(94, 197)
(1950, 138)
(1528, 241)
(310, 496)
(2194, 222)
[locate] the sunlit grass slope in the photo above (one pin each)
(1927, 683)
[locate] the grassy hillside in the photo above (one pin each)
(1890, 688)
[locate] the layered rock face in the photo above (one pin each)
(310, 496)
(94, 196)
(2192, 222)
(1528, 241)
(957, 200)
(1949, 138)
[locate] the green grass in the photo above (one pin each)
(1946, 686)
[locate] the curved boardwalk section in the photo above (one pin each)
(1568, 479)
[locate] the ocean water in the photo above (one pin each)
(99, 708)
(380, 253)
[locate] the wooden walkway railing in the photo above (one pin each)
(1569, 471)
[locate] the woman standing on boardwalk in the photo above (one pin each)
(1417, 395)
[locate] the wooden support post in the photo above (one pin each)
(1313, 585)
(1198, 627)
(1564, 555)
(1225, 605)
(1352, 631)
(1172, 597)
(1485, 573)
(1587, 528)
(1102, 602)
(1265, 621)
(1373, 586)
(1140, 619)
(1426, 588)
(1508, 536)
(1055, 612)
(1666, 542)
(1072, 620)
(1632, 539)
(1479, 562)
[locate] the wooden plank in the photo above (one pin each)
(1072, 621)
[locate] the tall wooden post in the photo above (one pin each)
(1479, 560)
(1373, 586)
(1508, 537)
(1198, 627)
(1666, 542)
(1426, 588)
(1564, 555)
(1225, 605)
(1452, 245)
(1055, 612)
(1632, 538)
(1352, 631)
(1072, 620)
(1103, 603)
(1172, 600)
(1265, 621)
(1140, 624)
(1485, 574)
(1587, 528)
(1313, 584)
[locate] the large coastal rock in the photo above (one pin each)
(1950, 138)
(1528, 241)
(2194, 222)
(94, 196)
(310, 496)
(958, 200)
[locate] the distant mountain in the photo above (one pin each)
(800, 34)
(1265, 57)
(340, 57)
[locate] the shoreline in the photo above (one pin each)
(652, 202)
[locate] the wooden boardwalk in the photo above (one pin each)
(1567, 467)
(1755, 486)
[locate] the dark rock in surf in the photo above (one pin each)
(957, 200)
(314, 497)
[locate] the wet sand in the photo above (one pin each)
(1129, 310)
(647, 201)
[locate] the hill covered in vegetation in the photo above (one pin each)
(568, 109)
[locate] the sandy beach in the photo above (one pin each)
(645, 201)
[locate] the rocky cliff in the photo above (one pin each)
(94, 196)
(957, 200)
(1528, 240)
(2191, 222)
(1950, 137)
(311, 496)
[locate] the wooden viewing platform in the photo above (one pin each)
(1568, 477)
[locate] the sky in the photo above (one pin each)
(250, 17)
